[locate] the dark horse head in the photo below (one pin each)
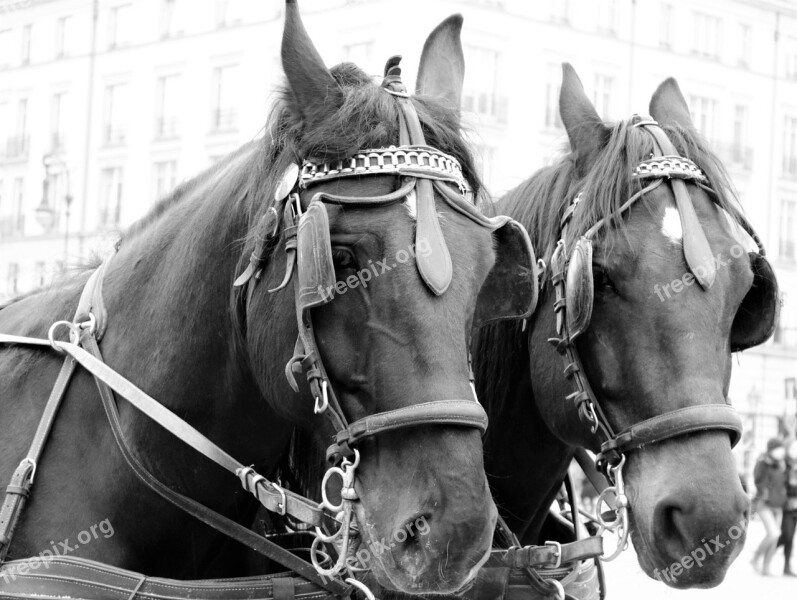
(657, 339)
(217, 356)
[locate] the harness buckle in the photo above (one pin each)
(557, 547)
(322, 403)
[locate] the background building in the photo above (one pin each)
(106, 105)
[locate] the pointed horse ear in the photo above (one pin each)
(668, 105)
(314, 90)
(585, 129)
(442, 67)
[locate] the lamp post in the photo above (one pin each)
(45, 214)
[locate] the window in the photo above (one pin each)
(560, 11)
(119, 26)
(704, 111)
(788, 229)
(745, 46)
(57, 138)
(741, 153)
(666, 26)
(481, 92)
(18, 143)
(40, 271)
(708, 35)
(5, 130)
(12, 279)
(791, 58)
(26, 38)
(18, 199)
(62, 37)
(228, 12)
(110, 196)
(790, 146)
(552, 87)
(167, 106)
(165, 177)
(224, 115)
(114, 130)
(607, 16)
(168, 10)
(604, 93)
(359, 54)
(5, 48)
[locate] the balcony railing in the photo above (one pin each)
(12, 226)
(166, 127)
(15, 147)
(736, 154)
(223, 119)
(57, 141)
(113, 135)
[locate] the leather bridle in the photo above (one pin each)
(421, 170)
(664, 167)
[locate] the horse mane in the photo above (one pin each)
(539, 204)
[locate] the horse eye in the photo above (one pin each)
(343, 258)
(602, 280)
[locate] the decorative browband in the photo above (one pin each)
(675, 167)
(411, 161)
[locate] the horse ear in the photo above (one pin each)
(584, 127)
(668, 106)
(442, 67)
(315, 90)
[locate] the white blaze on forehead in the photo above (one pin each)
(671, 225)
(412, 203)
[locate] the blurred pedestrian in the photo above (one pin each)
(770, 482)
(790, 509)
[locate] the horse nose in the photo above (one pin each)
(683, 523)
(428, 545)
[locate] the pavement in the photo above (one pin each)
(625, 580)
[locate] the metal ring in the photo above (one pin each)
(324, 499)
(74, 334)
(321, 404)
(90, 324)
(364, 588)
(560, 590)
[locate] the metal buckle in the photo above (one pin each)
(557, 552)
(32, 463)
(322, 403)
(283, 505)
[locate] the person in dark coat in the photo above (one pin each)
(770, 482)
(790, 509)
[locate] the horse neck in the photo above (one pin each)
(171, 325)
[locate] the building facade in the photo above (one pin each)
(105, 105)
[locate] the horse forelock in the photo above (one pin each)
(540, 202)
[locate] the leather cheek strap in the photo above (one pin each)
(466, 413)
(691, 419)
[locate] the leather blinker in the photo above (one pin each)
(314, 257)
(580, 290)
